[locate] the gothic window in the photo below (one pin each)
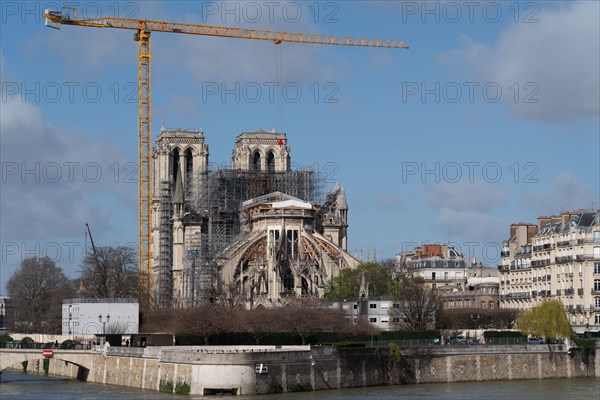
(189, 168)
(305, 286)
(287, 280)
(256, 161)
(175, 164)
(292, 243)
(270, 162)
(272, 243)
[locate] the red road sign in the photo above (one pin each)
(47, 353)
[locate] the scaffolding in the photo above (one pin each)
(163, 272)
(212, 203)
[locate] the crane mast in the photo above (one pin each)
(54, 19)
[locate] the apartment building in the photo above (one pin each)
(557, 258)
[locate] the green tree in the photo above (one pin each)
(38, 288)
(547, 320)
(347, 285)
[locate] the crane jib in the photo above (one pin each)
(54, 19)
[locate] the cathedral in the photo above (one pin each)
(256, 233)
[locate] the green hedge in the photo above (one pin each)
(405, 335)
(503, 334)
(5, 338)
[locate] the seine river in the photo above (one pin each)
(16, 385)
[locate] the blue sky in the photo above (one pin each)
(491, 117)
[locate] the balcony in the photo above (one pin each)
(589, 256)
(517, 295)
(569, 292)
(558, 292)
(596, 291)
(563, 259)
(580, 291)
(540, 263)
(563, 243)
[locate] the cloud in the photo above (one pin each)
(566, 193)
(53, 184)
(465, 196)
(464, 215)
(472, 225)
(389, 202)
(549, 70)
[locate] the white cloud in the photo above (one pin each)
(566, 193)
(51, 184)
(463, 215)
(559, 55)
(465, 196)
(472, 226)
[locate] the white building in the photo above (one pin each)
(376, 311)
(440, 266)
(100, 316)
(7, 312)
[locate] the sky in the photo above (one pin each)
(491, 117)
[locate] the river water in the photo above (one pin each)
(16, 385)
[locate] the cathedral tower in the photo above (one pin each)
(180, 158)
(261, 150)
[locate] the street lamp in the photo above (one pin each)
(104, 322)
(475, 319)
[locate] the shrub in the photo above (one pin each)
(182, 388)
(5, 338)
(166, 386)
(24, 364)
(301, 387)
(68, 344)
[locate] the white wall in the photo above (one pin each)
(81, 318)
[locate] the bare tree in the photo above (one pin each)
(38, 288)
(204, 320)
(258, 322)
(109, 272)
(418, 305)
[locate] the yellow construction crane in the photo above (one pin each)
(142, 28)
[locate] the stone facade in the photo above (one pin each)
(559, 258)
(255, 229)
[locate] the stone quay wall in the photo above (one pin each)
(268, 369)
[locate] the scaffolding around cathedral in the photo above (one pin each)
(212, 203)
(163, 279)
